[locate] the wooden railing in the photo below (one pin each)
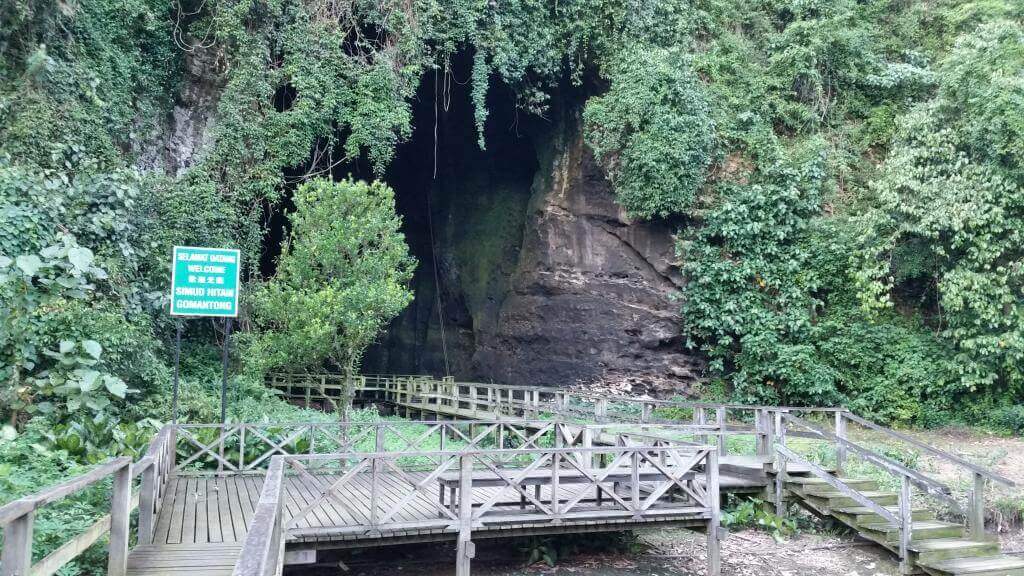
(638, 482)
(203, 449)
(909, 479)
(18, 517)
(486, 401)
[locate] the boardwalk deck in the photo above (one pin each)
(204, 520)
(207, 510)
(245, 499)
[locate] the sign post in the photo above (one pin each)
(205, 282)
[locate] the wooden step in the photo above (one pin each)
(835, 499)
(857, 515)
(1000, 565)
(922, 530)
(813, 485)
(932, 551)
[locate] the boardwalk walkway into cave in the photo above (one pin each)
(473, 461)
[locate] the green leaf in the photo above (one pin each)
(87, 379)
(92, 348)
(80, 257)
(29, 264)
(5, 261)
(66, 346)
(115, 386)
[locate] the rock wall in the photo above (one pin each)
(592, 296)
(179, 140)
(544, 280)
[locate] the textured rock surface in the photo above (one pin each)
(592, 295)
(567, 291)
(177, 145)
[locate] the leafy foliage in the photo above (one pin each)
(652, 131)
(341, 278)
(945, 229)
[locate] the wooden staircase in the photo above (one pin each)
(936, 547)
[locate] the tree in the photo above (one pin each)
(342, 276)
(947, 225)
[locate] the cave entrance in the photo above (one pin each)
(464, 211)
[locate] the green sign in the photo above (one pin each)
(204, 282)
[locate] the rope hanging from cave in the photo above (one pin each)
(430, 226)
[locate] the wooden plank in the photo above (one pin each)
(221, 513)
(177, 509)
(203, 501)
(188, 518)
(233, 521)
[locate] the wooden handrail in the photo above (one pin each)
(25, 504)
(838, 484)
(929, 485)
(18, 518)
(932, 450)
(263, 548)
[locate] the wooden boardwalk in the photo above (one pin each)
(495, 461)
(201, 510)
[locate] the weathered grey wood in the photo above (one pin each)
(839, 485)
(19, 507)
(976, 517)
(465, 550)
(120, 513)
(720, 415)
(16, 559)
(929, 485)
(933, 450)
(780, 474)
(714, 504)
(906, 525)
(263, 550)
(839, 445)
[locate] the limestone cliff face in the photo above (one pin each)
(591, 298)
(576, 293)
(181, 138)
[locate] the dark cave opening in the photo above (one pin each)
(463, 213)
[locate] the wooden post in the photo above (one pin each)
(723, 438)
(587, 459)
(780, 471)
(700, 419)
(714, 497)
(147, 502)
(466, 550)
(120, 514)
(17, 553)
(906, 525)
(840, 446)
(645, 413)
(555, 465)
(635, 484)
(977, 512)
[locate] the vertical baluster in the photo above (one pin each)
(120, 514)
(147, 499)
(16, 559)
(466, 549)
(906, 524)
(723, 437)
(780, 472)
(714, 503)
(840, 446)
(977, 512)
